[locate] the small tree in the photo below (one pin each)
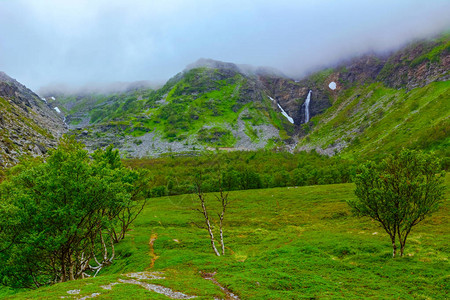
(204, 212)
(222, 198)
(58, 216)
(399, 192)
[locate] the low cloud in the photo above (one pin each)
(93, 88)
(79, 42)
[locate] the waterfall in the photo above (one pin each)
(283, 112)
(308, 98)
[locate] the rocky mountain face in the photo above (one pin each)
(415, 65)
(418, 64)
(381, 103)
(292, 96)
(27, 124)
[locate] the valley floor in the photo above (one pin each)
(281, 243)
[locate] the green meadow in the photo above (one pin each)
(281, 243)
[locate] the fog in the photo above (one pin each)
(79, 43)
(54, 89)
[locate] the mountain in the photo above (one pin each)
(28, 124)
(370, 104)
(381, 104)
(210, 104)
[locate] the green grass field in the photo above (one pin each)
(281, 243)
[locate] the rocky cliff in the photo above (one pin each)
(381, 103)
(27, 124)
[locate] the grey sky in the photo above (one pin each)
(81, 41)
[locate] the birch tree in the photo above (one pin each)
(224, 201)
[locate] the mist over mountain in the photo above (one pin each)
(242, 68)
(80, 42)
(100, 88)
(214, 104)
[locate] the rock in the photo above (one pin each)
(42, 148)
(37, 150)
(24, 118)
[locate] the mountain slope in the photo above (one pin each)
(368, 105)
(209, 104)
(28, 124)
(399, 101)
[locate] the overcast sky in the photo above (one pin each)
(80, 41)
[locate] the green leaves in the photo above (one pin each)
(55, 212)
(399, 192)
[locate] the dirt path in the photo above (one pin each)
(229, 295)
(154, 257)
(137, 277)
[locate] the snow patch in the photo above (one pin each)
(57, 109)
(53, 98)
(43, 99)
(332, 85)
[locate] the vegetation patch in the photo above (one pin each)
(216, 136)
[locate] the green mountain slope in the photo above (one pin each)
(206, 106)
(373, 118)
(405, 103)
(379, 103)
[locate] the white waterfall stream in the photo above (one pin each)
(308, 98)
(283, 112)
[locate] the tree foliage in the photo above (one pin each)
(57, 216)
(399, 192)
(241, 170)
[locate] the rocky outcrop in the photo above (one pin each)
(28, 126)
(418, 64)
(354, 117)
(291, 95)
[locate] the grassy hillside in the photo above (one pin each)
(199, 107)
(282, 243)
(94, 108)
(373, 119)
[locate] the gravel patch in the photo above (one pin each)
(109, 286)
(145, 275)
(158, 289)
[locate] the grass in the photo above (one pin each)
(282, 243)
